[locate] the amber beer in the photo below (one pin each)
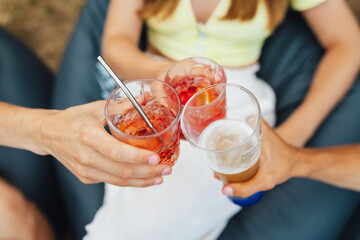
(233, 150)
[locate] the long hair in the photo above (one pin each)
(243, 10)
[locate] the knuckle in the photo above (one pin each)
(155, 172)
(122, 182)
(113, 153)
(269, 185)
(82, 134)
(85, 180)
(144, 184)
(82, 171)
(239, 193)
(126, 172)
(82, 159)
(151, 172)
(269, 182)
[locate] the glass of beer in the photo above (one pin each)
(161, 104)
(230, 144)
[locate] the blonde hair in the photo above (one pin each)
(243, 10)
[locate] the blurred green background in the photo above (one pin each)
(45, 25)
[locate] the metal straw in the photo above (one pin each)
(127, 93)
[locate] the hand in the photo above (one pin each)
(276, 164)
(77, 138)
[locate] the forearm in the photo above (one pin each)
(333, 78)
(337, 166)
(20, 127)
(129, 62)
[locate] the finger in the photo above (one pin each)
(216, 176)
(118, 151)
(93, 175)
(125, 170)
(244, 189)
(265, 124)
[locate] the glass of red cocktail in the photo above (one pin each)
(161, 104)
(190, 75)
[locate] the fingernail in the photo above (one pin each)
(158, 182)
(228, 191)
(166, 171)
(153, 160)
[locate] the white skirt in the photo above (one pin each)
(265, 95)
(189, 204)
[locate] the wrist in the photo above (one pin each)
(302, 163)
(42, 132)
(297, 129)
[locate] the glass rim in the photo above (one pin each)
(111, 125)
(258, 124)
(210, 61)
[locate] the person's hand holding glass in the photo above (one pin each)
(161, 105)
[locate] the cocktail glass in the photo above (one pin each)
(190, 75)
(161, 105)
(230, 144)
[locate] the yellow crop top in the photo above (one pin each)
(231, 43)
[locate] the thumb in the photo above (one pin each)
(243, 190)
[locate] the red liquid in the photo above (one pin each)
(206, 108)
(166, 145)
(187, 86)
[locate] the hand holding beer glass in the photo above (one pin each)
(230, 143)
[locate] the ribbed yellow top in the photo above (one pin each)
(231, 43)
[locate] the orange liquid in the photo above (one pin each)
(239, 177)
(166, 145)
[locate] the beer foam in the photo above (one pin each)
(231, 146)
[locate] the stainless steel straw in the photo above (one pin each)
(127, 93)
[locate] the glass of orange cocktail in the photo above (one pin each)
(161, 104)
